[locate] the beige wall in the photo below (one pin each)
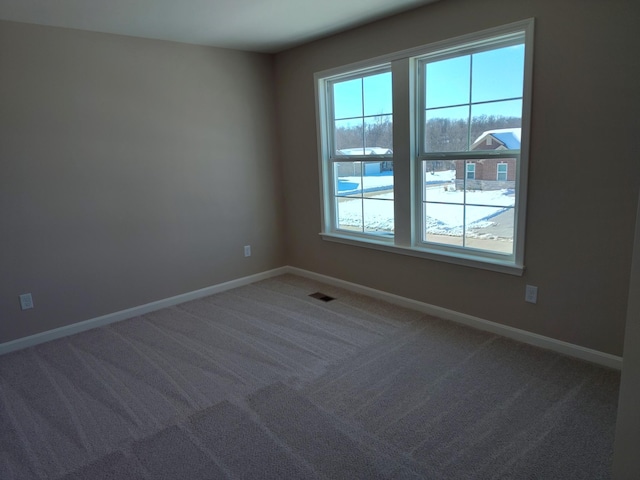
(626, 461)
(133, 170)
(583, 179)
(130, 171)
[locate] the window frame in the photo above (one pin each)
(408, 155)
(506, 171)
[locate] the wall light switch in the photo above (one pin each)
(26, 301)
(531, 294)
(247, 250)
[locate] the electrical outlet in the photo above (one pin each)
(26, 301)
(531, 294)
(247, 250)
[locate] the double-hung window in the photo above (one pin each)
(471, 171)
(424, 152)
(360, 152)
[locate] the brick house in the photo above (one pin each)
(490, 173)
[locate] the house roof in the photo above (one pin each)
(509, 137)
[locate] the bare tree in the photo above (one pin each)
(376, 132)
(442, 134)
(447, 135)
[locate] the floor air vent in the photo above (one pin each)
(322, 296)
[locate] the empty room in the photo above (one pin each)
(337, 239)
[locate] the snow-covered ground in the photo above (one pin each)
(445, 212)
(439, 177)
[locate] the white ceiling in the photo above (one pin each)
(255, 25)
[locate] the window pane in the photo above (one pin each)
(498, 74)
(347, 99)
(485, 189)
(498, 198)
(490, 228)
(377, 94)
(440, 181)
(347, 179)
(349, 214)
(447, 82)
(356, 178)
(447, 130)
(349, 139)
(496, 116)
(378, 214)
(378, 135)
(364, 196)
(377, 179)
(444, 223)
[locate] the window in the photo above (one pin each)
(360, 153)
(471, 171)
(424, 152)
(502, 170)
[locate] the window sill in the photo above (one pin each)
(440, 256)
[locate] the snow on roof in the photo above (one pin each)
(509, 137)
(365, 151)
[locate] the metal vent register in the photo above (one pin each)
(322, 296)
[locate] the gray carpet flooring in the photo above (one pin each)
(266, 382)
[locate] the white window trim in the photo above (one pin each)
(405, 156)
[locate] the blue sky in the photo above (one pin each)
(481, 77)
(348, 96)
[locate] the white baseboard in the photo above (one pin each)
(49, 335)
(605, 359)
(583, 353)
